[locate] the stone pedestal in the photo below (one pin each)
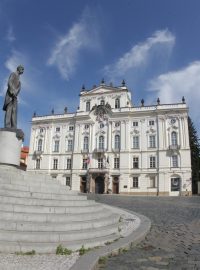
(10, 146)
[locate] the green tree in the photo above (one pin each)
(195, 155)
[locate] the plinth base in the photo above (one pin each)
(10, 146)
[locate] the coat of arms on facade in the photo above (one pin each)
(101, 111)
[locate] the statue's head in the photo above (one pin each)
(20, 69)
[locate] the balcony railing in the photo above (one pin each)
(84, 150)
(115, 149)
(174, 147)
(38, 152)
(100, 150)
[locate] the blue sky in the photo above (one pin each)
(154, 45)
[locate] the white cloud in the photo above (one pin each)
(10, 35)
(170, 87)
(139, 54)
(65, 54)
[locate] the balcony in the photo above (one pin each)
(38, 153)
(84, 151)
(98, 170)
(100, 150)
(116, 150)
(174, 147)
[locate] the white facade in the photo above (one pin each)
(108, 145)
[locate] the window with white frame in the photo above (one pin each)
(71, 128)
(55, 164)
(116, 163)
(69, 163)
(135, 182)
(151, 122)
(87, 106)
(57, 129)
(117, 103)
(68, 181)
(39, 148)
(70, 145)
(135, 142)
(135, 123)
(174, 161)
(117, 142)
(135, 162)
(85, 143)
(41, 130)
(101, 125)
(152, 162)
(37, 164)
(85, 163)
(174, 138)
(100, 163)
(56, 145)
(152, 141)
(101, 142)
(152, 181)
(86, 126)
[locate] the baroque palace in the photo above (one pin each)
(110, 146)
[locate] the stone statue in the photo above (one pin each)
(10, 103)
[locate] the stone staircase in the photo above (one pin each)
(37, 213)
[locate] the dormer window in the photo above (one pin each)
(117, 103)
(102, 102)
(87, 106)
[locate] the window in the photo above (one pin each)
(101, 125)
(71, 128)
(135, 162)
(174, 138)
(100, 163)
(151, 123)
(152, 162)
(135, 182)
(117, 124)
(175, 161)
(135, 124)
(152, 141)
(55, 164)
(117, 103)
(41, 130)
(85, 143)
(37, 164)
(152, 182)
(86, 126)
(39, 145)
(68, 182)
(102, 102)
(116, 163)
(117, 142)
(56, 146)
(70, 145)
(69, 164)
(135, 142)
(87, 106)
(101, 142)
(85, 163)
(57, 129)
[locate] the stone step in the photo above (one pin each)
(21, 208)
(14, 246)
(22, 182)
(45, 202)
(56, 237)
(41, 195)
(36, 188)
(55, 226)
(53, 217)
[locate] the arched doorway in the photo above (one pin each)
(99, 184)
(115, 187)
(83, 186)
(175, 185)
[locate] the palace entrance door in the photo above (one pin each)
(99, 184)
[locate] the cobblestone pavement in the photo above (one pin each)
(174, 239)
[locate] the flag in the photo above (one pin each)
(88, 159)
